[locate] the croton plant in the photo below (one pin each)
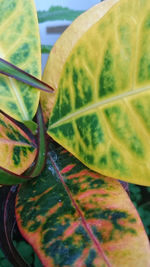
(66, 142)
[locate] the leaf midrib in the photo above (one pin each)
(99, 104)
(15, 143)
(87, 227)
(20, 102)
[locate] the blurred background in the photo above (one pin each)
(50, 24)
(77, 4)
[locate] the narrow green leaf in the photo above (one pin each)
(75, 217)
(58, 13)
(42, 151)
(10, 70)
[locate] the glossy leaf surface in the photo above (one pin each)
(63, 47)
(75, 217)
(17, 150)
(101, 113)
(19, 45)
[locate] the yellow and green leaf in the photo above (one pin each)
(17, 149)
(73, 216)
(63, 47)
(19, 45)
(101, 111)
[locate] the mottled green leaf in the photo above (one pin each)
(17, 149)
(101, 112)
(75, 217)
(58, 13)
(19, 45)
(64, 46)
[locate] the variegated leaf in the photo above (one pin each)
(63, 47)
(20, 45)
(17, 150)
(101, 113)
(75, 217)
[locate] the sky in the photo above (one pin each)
(75, 4)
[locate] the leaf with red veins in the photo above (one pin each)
(73, 216)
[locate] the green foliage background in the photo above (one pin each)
(140, 198)
(58, 13)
